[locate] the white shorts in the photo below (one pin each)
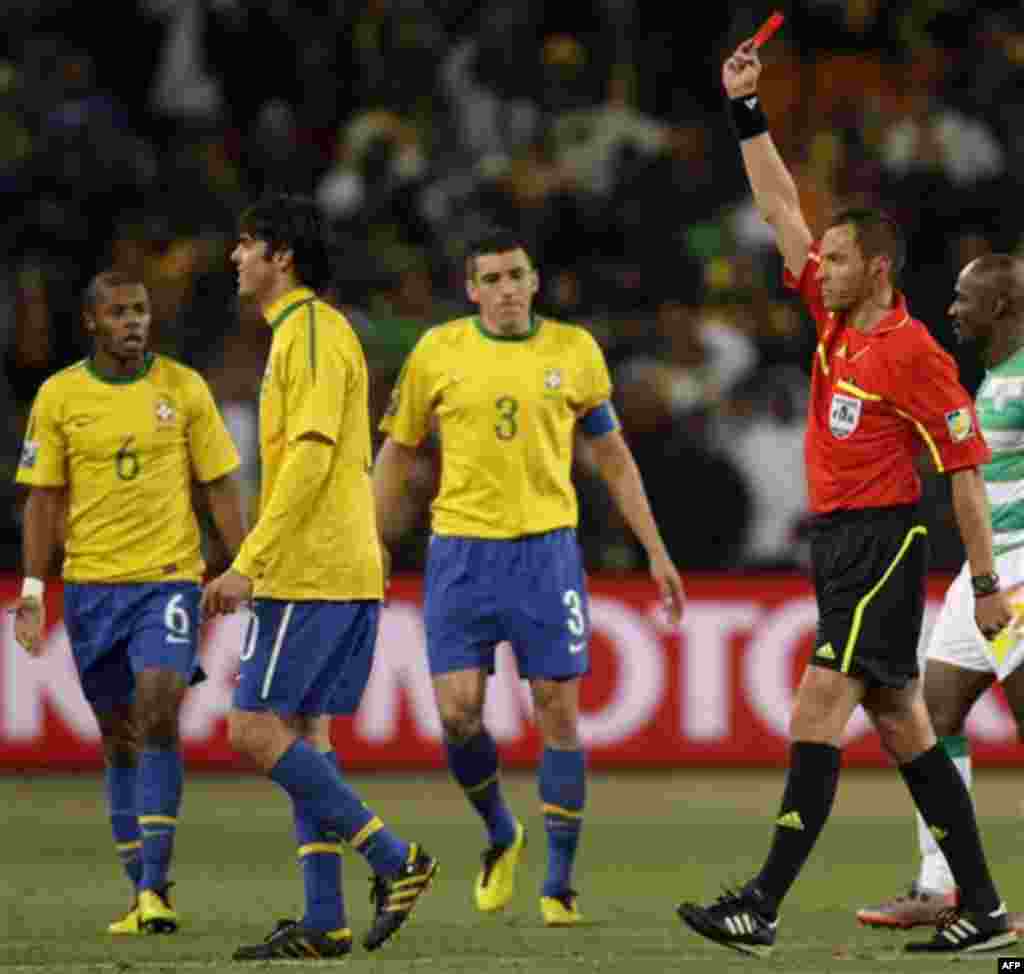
(956, 639)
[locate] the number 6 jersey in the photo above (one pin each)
(505, 409)
(128, 451)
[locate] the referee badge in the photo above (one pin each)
(844, 416)
(552, 379)
(960, 425)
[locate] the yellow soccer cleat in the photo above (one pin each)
(560, 911)
(496, 882)
(128, 925)
(156, 915)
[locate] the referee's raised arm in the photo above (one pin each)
(775, 192)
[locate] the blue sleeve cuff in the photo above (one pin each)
(599, 421)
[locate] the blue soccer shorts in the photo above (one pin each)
(530, 591)
(117, 631)
(307, 657)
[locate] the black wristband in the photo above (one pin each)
(747, 116)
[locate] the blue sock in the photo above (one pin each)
(474, 764)
(159, 797)
(320, 793)
(321, 872)
(563, 791)
(121, 785)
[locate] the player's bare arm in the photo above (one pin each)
(614, 461)
(45, 509)
(224, 500)
(392, 472)
(302, 476)
(970, 504)
(775, 192)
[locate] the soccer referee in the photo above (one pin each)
(881, 390)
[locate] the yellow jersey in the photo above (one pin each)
(316, 382)
(505, 409)
(128, 451)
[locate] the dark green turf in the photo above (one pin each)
(649, 841)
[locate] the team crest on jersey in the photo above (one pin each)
(844, 416)
(29, 454)
(552, 379)
(165, 412)
(960, 425)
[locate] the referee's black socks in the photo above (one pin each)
(806, 803)
(945, 804)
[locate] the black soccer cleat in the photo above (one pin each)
(733, 920)
(292, 941)
(394, 899)
(960, 932)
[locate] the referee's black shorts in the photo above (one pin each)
(870, 568)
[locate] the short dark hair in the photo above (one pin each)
(295, 223)
(878, 234)
(106, 279)
(496, 241)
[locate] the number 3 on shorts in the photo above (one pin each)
(176, 620)
(576, 623)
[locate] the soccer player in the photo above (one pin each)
(881, 388)
(961, 664)
(507, 389)
(312, 564)
(115, 444)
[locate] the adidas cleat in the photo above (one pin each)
(560, 911)
(156, 915)
(960, 932)
(918, 908)
(128, 925)
(395, 898)
(733, 920)
(292, 941)
(496, 881)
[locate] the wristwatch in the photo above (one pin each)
(985, 584)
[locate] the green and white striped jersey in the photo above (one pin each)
(1000, 408)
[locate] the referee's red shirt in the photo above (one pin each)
(878, 399)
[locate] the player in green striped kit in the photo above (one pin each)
(961, 664)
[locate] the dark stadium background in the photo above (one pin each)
(133, 133)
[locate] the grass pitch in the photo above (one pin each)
(649, 840)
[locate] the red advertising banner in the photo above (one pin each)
(716, 690)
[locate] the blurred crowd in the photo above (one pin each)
(133, 133)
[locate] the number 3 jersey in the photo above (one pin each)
(505, 410)
(877, 400)
(128, 452)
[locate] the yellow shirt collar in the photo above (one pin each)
(284, 305)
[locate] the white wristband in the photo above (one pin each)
(33, 588)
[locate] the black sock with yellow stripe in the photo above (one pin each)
(806, 804)
(945, 804)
